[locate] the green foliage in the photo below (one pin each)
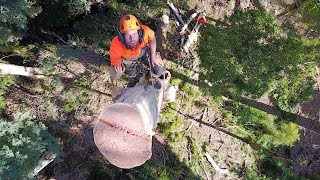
(252, 174)
(75, 96)
(138, 6)
(148, 170)
(5, 83)
(175, 81)
(194, 162)
(144, 10)
(172, 129)
(191, 92)
(174, 169)
(254, 56)
(169, 114)
(165, 175)
(263, 128)
(265, 168)
(59, 13)
(22, 143)
(291, 92)
(55, 13)
(14, 19)
(49, 59)
(96, 29)
(80, 6)
(156, 5)
(275, 169)
(310, 11)
(287, 134)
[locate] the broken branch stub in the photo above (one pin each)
(176, 13)
(193, 36)
(185, 26)
(215, 165)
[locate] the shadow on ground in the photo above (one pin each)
(238, 66)
(84, 161)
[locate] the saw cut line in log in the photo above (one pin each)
(120, 148)
(140, 134)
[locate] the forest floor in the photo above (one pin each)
(84, 73)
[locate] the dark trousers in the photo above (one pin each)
(136, 68)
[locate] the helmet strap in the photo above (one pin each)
(123, 40)
(141, 34)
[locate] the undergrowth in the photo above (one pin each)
(23, 141)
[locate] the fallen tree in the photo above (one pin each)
(123, 132)
(21, 70)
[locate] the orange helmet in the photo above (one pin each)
(129, 22)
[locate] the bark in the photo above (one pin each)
(123, 132)
(237, 6)
(46, 159)
(21, 70)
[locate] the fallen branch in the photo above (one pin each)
(193, 36)
(47, 158)
(215, 166)
(176, 13)
(192, 123)
(165, 156)
(254, 145)
(4, 57)
(21, 70)
(185, 26)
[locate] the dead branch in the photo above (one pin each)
(21, 70)
(164, 155)
(4, 57)
(215, 165)
(47, 158)
(254, 145)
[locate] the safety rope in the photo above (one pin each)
(152, 83)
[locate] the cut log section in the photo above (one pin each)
(123, 133)
(120, 136)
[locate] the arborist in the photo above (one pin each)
(133, 47)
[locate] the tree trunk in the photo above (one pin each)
(21, 70)
(123, 132)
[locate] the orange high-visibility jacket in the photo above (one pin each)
(119, 51)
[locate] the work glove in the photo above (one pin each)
(116, 72)
(119, 69)
(157, 60)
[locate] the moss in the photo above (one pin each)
(176, 81)
(76, 95)
(268, 130)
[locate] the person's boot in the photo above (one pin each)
(158, 70)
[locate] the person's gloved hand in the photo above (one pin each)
(116, 72)
(119, 69)
(156, 60)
